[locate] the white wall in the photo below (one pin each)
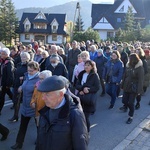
(103, 34)
(59, 39)
(22, 38)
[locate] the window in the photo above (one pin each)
(40, 16)
(39, 26)
(122, 9)
(54, 29)
(110, 34)
(27, 36)
(54, 37)
(118, 19)
(27, 26)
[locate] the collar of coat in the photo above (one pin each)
(140, 63)
(65, 110)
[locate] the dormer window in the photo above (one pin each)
(54, 29)
(27, 27)
(40, 16)
(54, 26)
(122, 9)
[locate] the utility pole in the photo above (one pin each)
(77, 12)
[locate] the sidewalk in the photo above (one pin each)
(138, 139)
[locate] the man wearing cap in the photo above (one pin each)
(62, 124)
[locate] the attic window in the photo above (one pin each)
(40, 16)
(118, 19)
(54, 29)
(122, 9)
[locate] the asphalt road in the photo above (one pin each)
(108, 127)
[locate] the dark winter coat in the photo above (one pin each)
(100, 64)
(124, 58)
(60, 69)
(133, 75)
(17, 59)
(72, 59)
(7, 72)
(146, 75)
(67, 132)
(19, 72)
(93, 83)
(113, 71)
(42, 63)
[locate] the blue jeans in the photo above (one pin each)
(111, 90)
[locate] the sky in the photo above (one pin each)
(48, 3)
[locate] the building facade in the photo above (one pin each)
(44, 28)
(108, 18)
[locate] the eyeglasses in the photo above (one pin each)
(31, 70)
(53, 62)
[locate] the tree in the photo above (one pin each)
(87, 35)
(129, 22)
(79, 25)
(8, 22)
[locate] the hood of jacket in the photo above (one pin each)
(140, 63)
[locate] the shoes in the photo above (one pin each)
(129, 120)
(137, 106)
(13, 119)
(111, 106)
(123, 108)
(17, 146)
(4, 137)
(102, 94)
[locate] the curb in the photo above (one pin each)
(144, 125)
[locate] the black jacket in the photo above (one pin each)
(133, 75)
(7, 72)
(19, 72)
(67, 132)
(93, 83)
(60, 69)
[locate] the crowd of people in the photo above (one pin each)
(58, 85)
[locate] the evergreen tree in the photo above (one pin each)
(129, 22)
(79, 25)
(8, 21)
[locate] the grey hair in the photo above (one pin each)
(46, 73)
(45, 52)
(54, 56)
(93, 47)
(62, 90)
(40, 49)
(6, 51)
(25, 54)
(66, 81)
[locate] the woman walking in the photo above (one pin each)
(88, 85)
(26, 111)
(132, 84)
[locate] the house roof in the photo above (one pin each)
(107, 11)
(61, 19)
